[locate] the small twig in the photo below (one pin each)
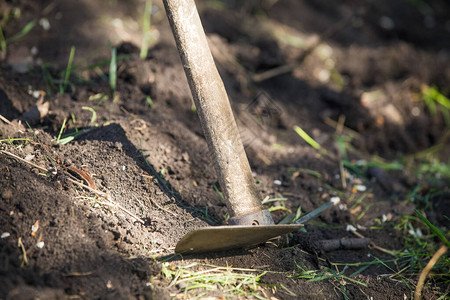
(332, 123)
(100, 193)
(24, 161)
(162, 208)
(114, 204)
(5, 120)
(140, 203)
(77, 274)
(426, 270)
(278, 70)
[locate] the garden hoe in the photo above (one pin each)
(251, 224)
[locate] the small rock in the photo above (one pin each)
(277, 182)
(7, 194)
(386, 23)
(5, 235)
(350, 228)
(185, 157)
(335, 200)
(360, 188)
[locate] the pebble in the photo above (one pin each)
(335, 200)
(7, 194)
(5, 235)
(360, 188)
(40, 245)
(350, 228)
(277, 182)
(386, 23)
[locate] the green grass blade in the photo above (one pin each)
(21, 33)
(222, 198)
(303, 170)
(353, 168)
(61, 131)
(307, 138)
(342, 148)
(433, 229)
(94, 114)
(2, 43)
(10, 140)
(68, 70)
(149, 101)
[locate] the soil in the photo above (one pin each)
(145, 148)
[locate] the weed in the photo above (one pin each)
(149, 101)
(63, 86)
(5, 41)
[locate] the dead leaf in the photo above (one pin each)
(84, 175)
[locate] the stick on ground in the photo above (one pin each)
(426, 270)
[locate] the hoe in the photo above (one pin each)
(250, 223)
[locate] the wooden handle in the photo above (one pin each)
(214, 110)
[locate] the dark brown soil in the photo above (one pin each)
(152, 160)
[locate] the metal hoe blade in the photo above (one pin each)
(231, 237)
(219, 238)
